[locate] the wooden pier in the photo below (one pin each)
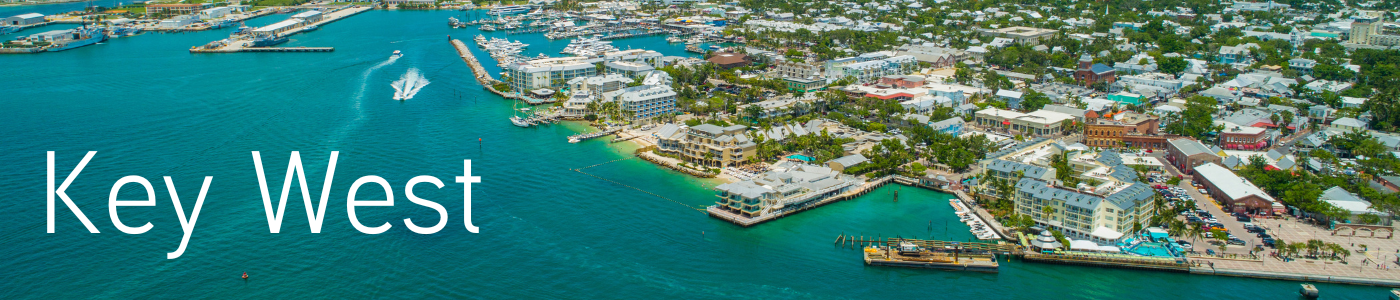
(929, 254)
(585, 136)
(264, 49)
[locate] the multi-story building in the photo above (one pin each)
(1372, 31)
(1037, 123)
(1022, 34)
(786, 69)
(869, 71)
(629, 69)
(644, 102)
(1090, 73)
(937, 57)
(1098, 214)
(707, 144)
(174, 9)
(547, 73)
(1126, 129)
(1236, 136)
(788, 187)
(1185, 154)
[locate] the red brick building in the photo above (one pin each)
(1090, 73)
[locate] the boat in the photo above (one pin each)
(310, 28)
(509, 10)
(78, 37)
(714, 47)
(1394, 294)
(519, 121)
(488, 27)
(8, 29)
(397, 53)
(1308, 291)
(268, 41)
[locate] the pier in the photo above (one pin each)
(722, 214)
(930, 254)
(266, 49)
(244, 44)
(585, 136)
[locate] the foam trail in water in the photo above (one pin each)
(409, 84)
(359, 96)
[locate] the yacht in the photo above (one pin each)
(519, 121)
(509, 10)
(310, 28)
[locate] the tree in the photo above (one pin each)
(1222, 237)
(1172, 65)
(1383, 107)
(1034, 101)
(1197, 120)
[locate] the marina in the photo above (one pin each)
(384, 125)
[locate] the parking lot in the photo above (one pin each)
(1375, 260)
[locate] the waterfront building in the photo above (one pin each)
(845, 162)
(24, 19)
(547, 72)
(215, 13)
(1185, 154)
(1100, 214)
(1125, 129)
(708, 145)
(277, 28)
(788, 187)
(309, 17)
(1234, 193)
(644, 102)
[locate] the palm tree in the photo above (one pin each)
(1195, 232)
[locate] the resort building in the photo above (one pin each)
(1235, 193)
(1125, 129)
(706, 144)
(1101, 215)
(597, 85)
(789, 186)
(644, 102)
(1185, 154)
(547, 72)
(786, 69)
(1372, 31)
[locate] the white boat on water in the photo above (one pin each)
(519, 121)
(397, 54)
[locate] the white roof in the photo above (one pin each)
(1105, 233)
(279, 25)
(1232, 185)
(29, 16)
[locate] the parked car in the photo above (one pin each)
(1242, 218)
(1236, 242)
(1268, 241)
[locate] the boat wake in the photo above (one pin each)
(359, 96)
(409, 84)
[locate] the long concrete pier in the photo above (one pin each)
(245, 44)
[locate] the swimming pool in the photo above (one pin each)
(801, 157)
(1151, 249)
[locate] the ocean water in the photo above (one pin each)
(150, 108)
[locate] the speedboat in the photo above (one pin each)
(397, 53)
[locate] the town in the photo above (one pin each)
(1254, 139)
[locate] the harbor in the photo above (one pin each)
(260, 39)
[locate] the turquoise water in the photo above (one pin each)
(152, 109)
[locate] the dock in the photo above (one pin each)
(585, 136)
(244, 44)
(930, 254)
(719, 213)
(266, 49)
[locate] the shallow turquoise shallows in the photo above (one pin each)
(150, 108)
